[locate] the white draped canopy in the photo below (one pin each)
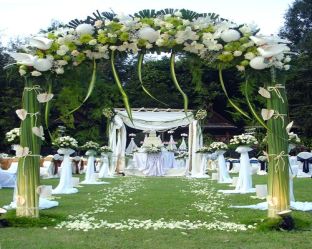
(158, 120)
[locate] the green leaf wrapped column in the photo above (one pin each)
(278, 172)
(29, 164)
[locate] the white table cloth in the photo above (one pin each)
(154, 165)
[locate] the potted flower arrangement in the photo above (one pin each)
(65, 142)
(245, 140)
(91, 148)
(217, 146)
(204, 150)
(105, 149)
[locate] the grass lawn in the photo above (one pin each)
(149, 202)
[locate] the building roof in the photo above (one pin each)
(217, 121)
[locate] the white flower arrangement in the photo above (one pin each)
(218, 146)
(132, 135)
(244, 140)
(152, 149)
(204, 149)
(90, 145)
(65, 142)
(182, 155)
(108, 113)
(170, 132)
(293, 138)
(184, 135)
(201, 114)
(229, 43)
(13, 134)
(105, 149)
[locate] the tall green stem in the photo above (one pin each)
(28, 166)
(278, 178)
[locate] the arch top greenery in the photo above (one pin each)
(216, 41)
(212, 38)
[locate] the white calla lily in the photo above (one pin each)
(263, 40)
(23, 58)
(148, 33)
(258, 63)
(273, 50)
(42, 43)
(230, 35)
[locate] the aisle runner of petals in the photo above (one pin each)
(211, 203)
(86, 221)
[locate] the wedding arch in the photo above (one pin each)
(220, 43)
(158, 120)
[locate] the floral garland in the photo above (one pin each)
(244, 140)
(65, 142)
(211, 38)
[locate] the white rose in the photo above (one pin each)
(230, 35)
(92, 42)
(237, 53)
(59, 70)
(85, 28)
(249, 56)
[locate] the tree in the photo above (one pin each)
(298, 30)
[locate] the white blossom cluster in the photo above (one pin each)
(182, 155)
(293, 138)
(13, 134)
(201, 114)
(218, 146)
(65, 142)
(108, 113)
(90, 145)
(244, 139)
(204, 149)
(105, 149)
(215, 40)
(152, 149)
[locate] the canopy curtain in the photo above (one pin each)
(158, 121)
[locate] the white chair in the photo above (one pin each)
(46, 171)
